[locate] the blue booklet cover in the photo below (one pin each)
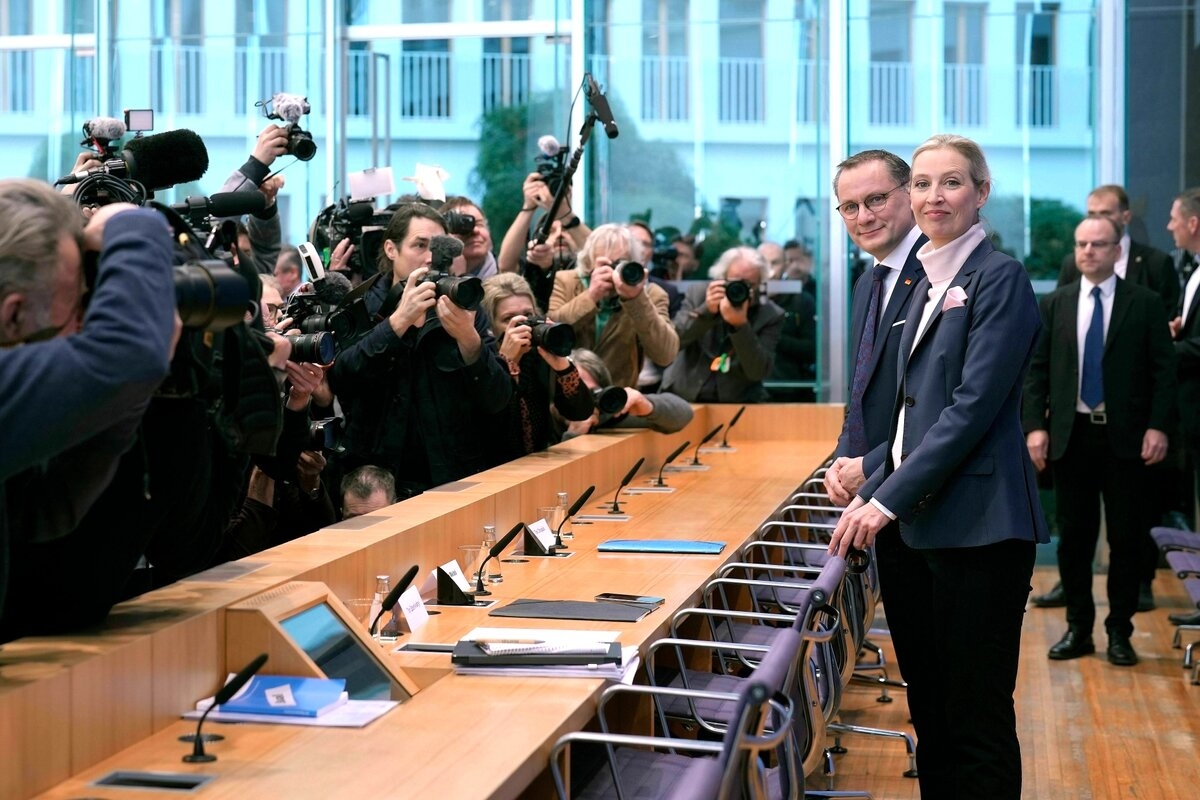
(689, 546)
(288, 695)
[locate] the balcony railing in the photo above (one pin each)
(811, 91)
(177, 78)
(505, 80)
(16, 81)
(891, 94)
(1040, 110)
(740, 89)
(965, 96)
(665, 88)
(272, 65)
(424, 85)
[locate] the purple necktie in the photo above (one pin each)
(856, 432)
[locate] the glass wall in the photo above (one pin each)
(723, 106)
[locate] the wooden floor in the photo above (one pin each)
(1088, 729)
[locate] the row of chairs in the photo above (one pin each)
(1181, 549)
(747, 688)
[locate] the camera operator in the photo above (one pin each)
(417, 387)
(537, 373)
(76, 383)
(659, 411)
(477, 241)
(620, 320)
(728, 331)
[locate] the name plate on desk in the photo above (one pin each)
(411, 608)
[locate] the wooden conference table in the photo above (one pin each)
(73, 709)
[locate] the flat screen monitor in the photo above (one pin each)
(327, 640)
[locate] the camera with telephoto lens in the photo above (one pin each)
(326, 435)
(358, 221)
(307, 312)
(737, 292)
(289, 108)
(465, 291)
(631, 272)
(610, 400)
(557, 337)
(459, 224)
(313, 348)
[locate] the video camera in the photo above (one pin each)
(358, 221)
(289, 108)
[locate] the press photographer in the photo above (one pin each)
(630, 408)
(417, 384)
(76, 382)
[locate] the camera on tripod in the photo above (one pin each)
(289, 108)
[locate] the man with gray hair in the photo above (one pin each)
(366, 489)
(728, 331)
(76, 381)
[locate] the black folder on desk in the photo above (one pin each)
(469, 653)
(573, 609)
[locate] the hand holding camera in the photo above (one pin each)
(536, 192)
(272, 143)
(419, 296)
(459, 322)
(601, 286)
(730, 299)
(630, 279)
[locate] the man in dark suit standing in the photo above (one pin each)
(1145, 266)
(1099, 397)
(1184, 226)
(871, 188)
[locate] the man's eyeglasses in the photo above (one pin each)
(1093, 245)
(875, 202)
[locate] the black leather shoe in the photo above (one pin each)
(1055, 598)
(1120, 651)
(1074, 644)
(1145, 597)
(1184, 619)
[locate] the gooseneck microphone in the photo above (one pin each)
(198, 756)
(674, 455)
(494, 552)
(708, 436)
(729, 427)
(572, 511)
(389, 602)
(616, 508)
(599, 104)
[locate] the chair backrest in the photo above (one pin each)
(820, 626)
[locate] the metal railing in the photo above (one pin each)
(740, 90)
(272, 64)
(891, 94)
(424, 86)
(16, 82)
(811, 91)
(1040, 109)
(177, 78)
(665, 88)
(965, 95)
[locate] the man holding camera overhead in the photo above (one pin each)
(418, 386)
(614, 310)
(728, 331)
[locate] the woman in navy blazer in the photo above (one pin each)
(953, 511)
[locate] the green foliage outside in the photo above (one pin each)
(1051, 232)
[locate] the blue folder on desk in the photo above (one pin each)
(687, 546)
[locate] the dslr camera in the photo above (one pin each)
(609, 400)
(465, 291)
(289, 108)
(556, 337)
(632, 273)
(459, 224)
(358, 221)
(737, 292)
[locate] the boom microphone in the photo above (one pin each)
(223, 695)
(156, 162)
(616, 508)
(389, 602)
(599, 104)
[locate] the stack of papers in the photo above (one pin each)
(541, 652)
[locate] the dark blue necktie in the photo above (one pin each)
(856, 432)
(1091, 388)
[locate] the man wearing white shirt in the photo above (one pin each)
(1185, 328)
(1099, 396)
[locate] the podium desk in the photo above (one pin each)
(110, 699)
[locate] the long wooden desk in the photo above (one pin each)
(74, 709)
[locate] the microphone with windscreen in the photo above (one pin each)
(724, 445)
(156, 162)
(696, 456)
(445, 249)
(494, 552)
(599, 104)
(616, 508)
(198, 756)
(222, 204)
(389, 602)
(674, 455)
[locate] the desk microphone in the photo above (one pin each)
(198, 756)
(729, 427)
(572, 511)
(616, 508)
(674, 455)
(494, 552)
(389, 602)
(711, 434)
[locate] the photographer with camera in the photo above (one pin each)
(536, 351)
(76, 382)
(465, 222)
(417, 387)
(613, 308)
(262, 229)
(538, 263)
(623, 406)
(728, 332)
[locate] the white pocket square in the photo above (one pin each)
(956, 297)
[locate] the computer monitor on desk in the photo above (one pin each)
(307, 631)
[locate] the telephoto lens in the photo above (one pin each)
(557, 337)
(610, 399)
(631, 272)
(313, 348)
(737, 292)
(465, 291)
(210, 295)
